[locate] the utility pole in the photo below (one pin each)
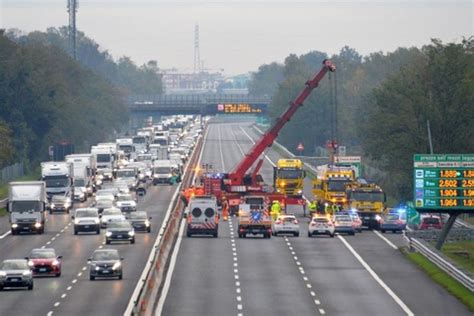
(72, 6)
(197, 54)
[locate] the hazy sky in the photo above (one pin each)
(239, 36)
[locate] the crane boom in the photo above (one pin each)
(236, 176)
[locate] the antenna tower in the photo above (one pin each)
(197, 54)
(72, 6)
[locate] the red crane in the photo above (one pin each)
(236, 177)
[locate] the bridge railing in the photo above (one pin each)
(196, 99)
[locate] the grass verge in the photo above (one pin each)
(442, 278)
(462, 253)
(3, 212)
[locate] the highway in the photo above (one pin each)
(363, 274)
(73, 293)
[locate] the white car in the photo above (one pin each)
(286, 224)
(109, 215)
(86, 220)
(126, 203)
(321, 225)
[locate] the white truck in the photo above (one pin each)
(59, 177)
(140, 143)
(84, 166)
(26, 206)
(105, 156)
(163, 172)
(159, 152)
(125, 144)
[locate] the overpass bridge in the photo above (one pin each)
(143, 106)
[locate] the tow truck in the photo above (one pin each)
(230, 188)
(368, 200)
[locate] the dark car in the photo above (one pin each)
(119, 231)
(15, 273)
(105, 263)
(140, 221)
(44, 261)
(59, 203)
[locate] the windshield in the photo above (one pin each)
(105, 202)
(124, 198)
(14, 265)
(86, 214)
(139, 140)
(105, 255)
(58, 198)
(42, 254)
(144, 158)
(159, 141)
(162, 170)
(343, 218)
(367, 196)
(25, 206)
(125, 174)
(103, 157)
(112, 212)
(290, 174)
(320, 220)
(126, 148)
(137, 215)
(337, 185)
(79, 183)
(57, 182)
(391, 217)
(125, 225)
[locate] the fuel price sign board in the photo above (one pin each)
(444, 182)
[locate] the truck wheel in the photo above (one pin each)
(30, 287)
(309, 235)
(215, 235)
(91, 277)
(394, 231)
(351, 233)
(13, 232)
(188, 234)
(50, 212)
(332, 235)
(75, 231)
(132, 241)
(107, 242)
(40, 231)
(297, 234)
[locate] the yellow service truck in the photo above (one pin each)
(288, 177)
(368, 200)
(329, 187)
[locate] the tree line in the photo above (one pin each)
(379, 105)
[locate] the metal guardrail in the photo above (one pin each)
(3, 203)
(442, 263)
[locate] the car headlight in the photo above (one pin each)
(31, 263)
(147, 223)
(3, 274)
(100, 177)
(26, 273)
(76, 221)
(116, 265)
(55, 262)
(52, 205)
(300, 191)
(14, 225)
(141, 176)
(96, 220)
(169, 175)
(37, 225)
(377, 217)
(98, 182)
(66, 205)
(97, 268)
(131, 233)
(155, 176)
(108, 234)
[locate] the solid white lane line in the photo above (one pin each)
(220, 147)
(376, 277)
(6, 234)
(174, 256)
(385, 239)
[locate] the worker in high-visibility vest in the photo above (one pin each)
(275, 210)
(225, 208)
(327, 209)
(335, 209)
(313, 207)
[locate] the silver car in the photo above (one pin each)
(15, 273)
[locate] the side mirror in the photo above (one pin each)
(59, 257)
